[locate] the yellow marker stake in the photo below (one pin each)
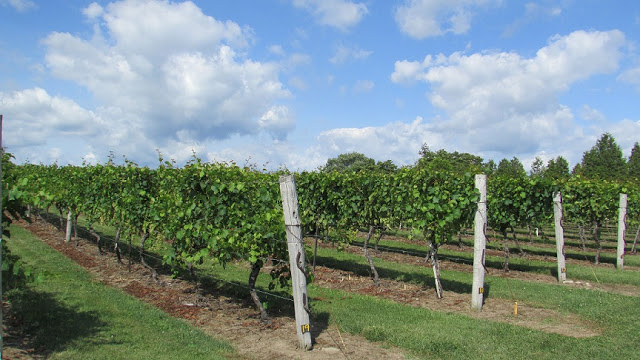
(515, 308)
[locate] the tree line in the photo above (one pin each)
(603, 161)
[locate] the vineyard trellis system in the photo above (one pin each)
(222, 212)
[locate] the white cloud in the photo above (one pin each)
(276, 50)
(93, 11)
(534, 9)
(533, 12)
(181, 150)
(298, 83)
(505, 103)
(590, 114)
(90, 158)
(278, 120)
(427, 18)
(259, 152)
(54, 154)
(362, 86)
(631, 76)
(19, 5)
(626, 133)
(165, 74)
(410, 71)
(340, 14)
(32, 116)
(396, 141)
(344, 54)
(215, 96)
(39, 127)
(297, 59)
(152, 28)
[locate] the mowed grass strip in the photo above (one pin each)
(71, 316)
(433, 334)
(608, 238)
(605, 272)
(551, 296)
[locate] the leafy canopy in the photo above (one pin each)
(511, 168)
(356, 162)
(556, 169)
(456, 162)
(603, 161)
(633, 165)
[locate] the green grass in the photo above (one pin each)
(101, 229)
(608, 236)
(603, 273)
(71, 316)
(431, 334)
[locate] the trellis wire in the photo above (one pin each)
(89, 237)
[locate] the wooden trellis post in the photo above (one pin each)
(67, 236)
(296, 260)
(1, 231)
(479, 244)
(622, 228)
(557, 212)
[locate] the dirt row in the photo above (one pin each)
(496, 238)
(221, 316)
(408, 258)
(494, 309)
(237, 320)
(583, 259)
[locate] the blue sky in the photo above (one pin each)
(295, 82)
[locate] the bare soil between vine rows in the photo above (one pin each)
(237, 320)
(407, 258)
(221, 316)
(494, 309)
(528, 276)
(498, 310)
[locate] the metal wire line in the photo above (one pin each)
(150, 255)
(400, 251)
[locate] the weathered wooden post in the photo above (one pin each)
(622, 229)
(557, 212)
(296, 260)
(1, 230)
(479, 244)
(67, 235)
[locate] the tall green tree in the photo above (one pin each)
(456, 162)
(353, 161)
(511, 168)
(577, 169)
(489, 168)
(537, 167)
(604, 160)
(633, 165)
(386, 166)
(557, 169)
